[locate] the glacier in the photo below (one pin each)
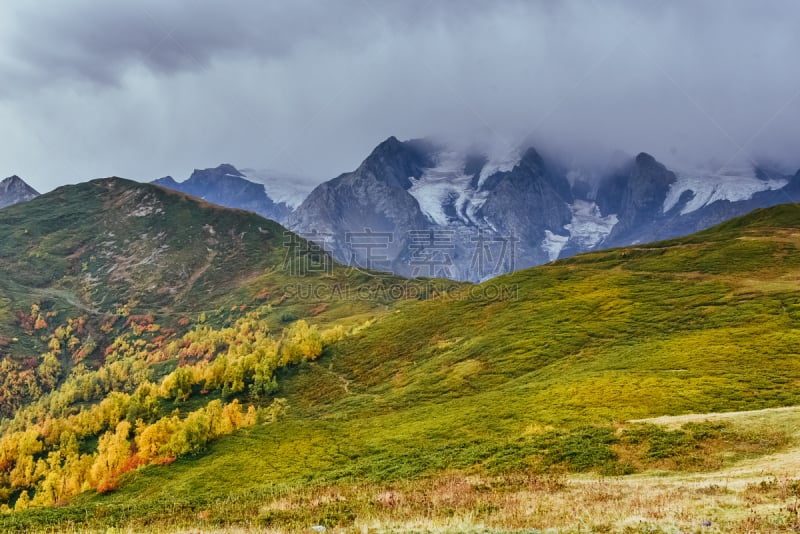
(553, 244)
(588, 228)
(446, 184)
(708, 187)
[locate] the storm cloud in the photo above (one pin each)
(144, 89)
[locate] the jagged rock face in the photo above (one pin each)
(373, 198)
(226, 186)
(14, 190)
(654, 203)
(675, 224)
(433, 211)
(386, 192)
(395, 163)
(636, 195)
(527, 202)
(466, 199)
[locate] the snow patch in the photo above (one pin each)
(281, 186)
(588, 228)
(733, 185)
(498, 163)
(553, 244)
(447, 184)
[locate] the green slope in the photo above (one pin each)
(529, 371)
(96, 247)
(96, 256)
(705, 323)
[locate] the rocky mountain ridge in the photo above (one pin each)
(437, 212)
(14, 190)
(226, 186)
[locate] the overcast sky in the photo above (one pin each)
(143, 89)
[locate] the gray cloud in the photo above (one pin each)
(143, 89)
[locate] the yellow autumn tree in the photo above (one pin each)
(113, 451)
(151, 440)
(300, 342)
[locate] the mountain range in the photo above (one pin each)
(469, 217)
(419, 208)
(110, 244)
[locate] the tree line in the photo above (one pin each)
(88, 428)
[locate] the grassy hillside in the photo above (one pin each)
(103, 245)
(82, 263)
(137, 325)
(514, 382)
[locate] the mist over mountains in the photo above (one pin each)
(422, 208)
(426, 208)
(468, 216)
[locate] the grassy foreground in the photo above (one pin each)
(755, 494)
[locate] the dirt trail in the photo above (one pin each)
(696, 417)
(196, 275)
